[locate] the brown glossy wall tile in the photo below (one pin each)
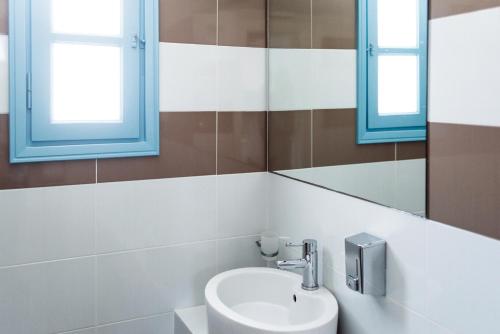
(441, 8)
(4, 22)
(187, 148)
(289, 139)
(290, 24)
(40, 174)
(334, 24)
(411, 150)
(188, 21)
(464, 177)
(242, 23)
(242, 142)
(334, 140)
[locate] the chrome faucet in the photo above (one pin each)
(309, 263)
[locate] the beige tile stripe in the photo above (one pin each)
(464, 181)
(442, 8)
(3, 17)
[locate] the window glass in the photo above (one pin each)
(398, 84)
(86, 83)
(87, 17)
(397, 23)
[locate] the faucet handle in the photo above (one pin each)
(294, 244)
(309, 246)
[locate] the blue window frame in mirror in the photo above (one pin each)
(392, 71)
(83, 79)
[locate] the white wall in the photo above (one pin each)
(439, 279)
(118, 258)
(464, 71)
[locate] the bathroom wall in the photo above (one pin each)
(464, 115)
(435, 272)
(114, 246)
(313, 88)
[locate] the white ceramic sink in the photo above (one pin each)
(262, 300)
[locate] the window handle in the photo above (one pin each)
(138, 42)
(370, 50)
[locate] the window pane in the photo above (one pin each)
(398, 23)
(87, 17)
(398, 92)
(86, 83)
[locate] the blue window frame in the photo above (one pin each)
(392, 71)
(83, 79)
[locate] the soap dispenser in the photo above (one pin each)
(365, 257)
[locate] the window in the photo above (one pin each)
(83, 79)
(392, 70)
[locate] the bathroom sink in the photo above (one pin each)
(263, 300)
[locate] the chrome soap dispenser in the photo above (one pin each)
(366, 264)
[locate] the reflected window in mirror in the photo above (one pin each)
(392, 71)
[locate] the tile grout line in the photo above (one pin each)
(398, 304)
(155, 315)
(217, 98)
(127, 251)
(217, 88)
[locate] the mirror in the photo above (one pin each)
(348, 97)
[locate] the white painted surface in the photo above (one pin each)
(4, 74)
(433, 271)
(258, 301)
(241, 79)
(464, 68)
(398, 184)
(303, 79)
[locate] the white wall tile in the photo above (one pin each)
(47, 298)
(238, 253)
(463, 280)
(4, 74)
(162, 324)
(439, 279)
(303, 79)
(196, 77)
(241, 204)
(241, 79)
(138, 214)
(334, 79)
(290, 79)
(362, 314)
(464, 68)
(141, 283)
(301, 211)
(40, 224)
(188, 77)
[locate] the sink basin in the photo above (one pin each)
(263, 300)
